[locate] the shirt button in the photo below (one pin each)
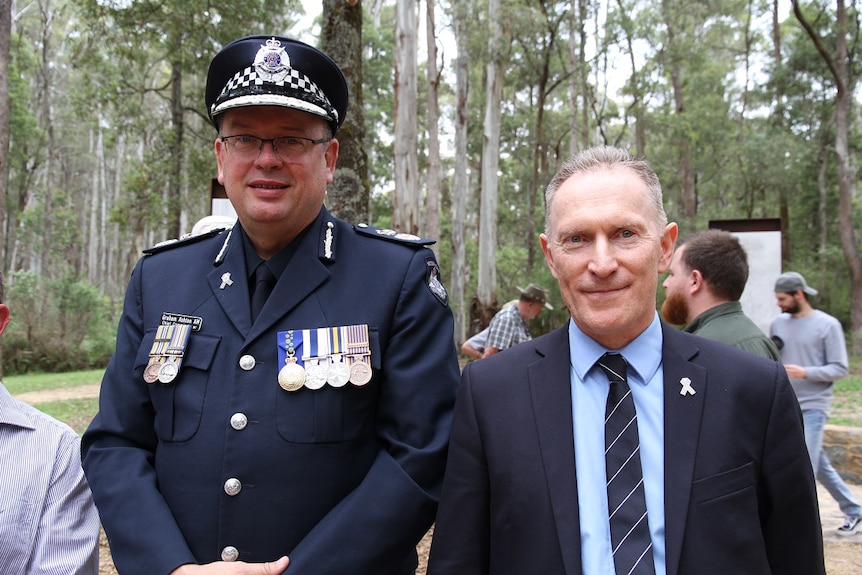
(238, 421)
(232, 486)
(247, 362)
(229, 553)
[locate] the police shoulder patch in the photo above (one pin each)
(392, 235)
(183, 241)
(432, 281)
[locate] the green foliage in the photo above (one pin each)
(57, 325)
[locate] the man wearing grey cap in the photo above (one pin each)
(814, 353)
(509, 326)
(281, 391)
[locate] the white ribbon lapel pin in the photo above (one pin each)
(686, 387)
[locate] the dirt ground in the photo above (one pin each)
(841, 558)
(843, 554)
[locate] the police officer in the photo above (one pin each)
(231, 438)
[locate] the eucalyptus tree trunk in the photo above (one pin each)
(406, 204)
(543, 87)
(780, 117)
(432, 196)
(844, 86)
(460, 184)
(634, 82)
(579, 123)
(42, 262)
(174, 187)
(675, 69)
(349, 194)
(487, 280)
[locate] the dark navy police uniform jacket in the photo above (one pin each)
(222, 463)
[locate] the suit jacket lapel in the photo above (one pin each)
(550, 380)
(682, 420)
(229, 283)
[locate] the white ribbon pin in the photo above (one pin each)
(686, 387)
(225, 280)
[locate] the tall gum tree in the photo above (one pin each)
(838, 63)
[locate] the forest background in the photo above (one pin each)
(460, 113)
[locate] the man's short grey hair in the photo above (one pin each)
(606, 157)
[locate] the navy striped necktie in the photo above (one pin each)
(630, 536)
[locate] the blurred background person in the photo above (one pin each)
(510, 325)
(815, 356)
(706, 278)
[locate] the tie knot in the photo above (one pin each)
(262, 273)
(614, 366)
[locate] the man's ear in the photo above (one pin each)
(697, 281)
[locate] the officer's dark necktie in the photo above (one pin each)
(630, 537)
(263, 282)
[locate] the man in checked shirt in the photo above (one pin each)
(509, 326)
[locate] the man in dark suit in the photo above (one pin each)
(311, 431)
(720, 480)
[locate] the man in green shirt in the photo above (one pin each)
(705, 281)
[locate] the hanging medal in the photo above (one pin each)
(359, 354)
(291, 376)
(157, 354)
(339, 372)
(174, 352)
(315, 357)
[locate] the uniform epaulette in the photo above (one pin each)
(183, 241)
(392, 235)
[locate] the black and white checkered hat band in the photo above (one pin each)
(292, 81)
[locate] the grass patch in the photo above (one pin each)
(41, 381)
(77, 413)
(847, 402)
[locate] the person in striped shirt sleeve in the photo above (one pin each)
(48, 522)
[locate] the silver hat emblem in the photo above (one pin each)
(272, 61)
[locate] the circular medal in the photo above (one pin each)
(316, 374)
(360, 373)
(339, 374)
(168, 372)
(151, 372)
(291, 377)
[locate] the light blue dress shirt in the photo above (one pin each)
(589, 395)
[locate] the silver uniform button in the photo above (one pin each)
(232, 486)
(238, 421)
(247, 362)
(229, 553)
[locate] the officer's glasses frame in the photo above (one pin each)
(249, 147)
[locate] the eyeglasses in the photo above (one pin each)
(249, 147)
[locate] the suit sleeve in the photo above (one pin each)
(118, 453)
(461, 535)
(788, 508)
(391, 509)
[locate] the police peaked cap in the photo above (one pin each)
(269, 70)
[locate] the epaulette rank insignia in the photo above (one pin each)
(183, 241)
(392, 235)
